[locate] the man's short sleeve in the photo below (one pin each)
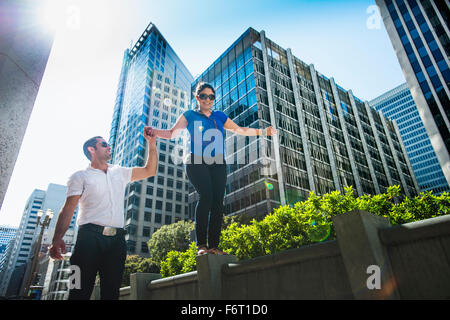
(75, 184)
(126, 174)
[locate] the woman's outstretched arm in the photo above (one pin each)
(179, 126)
(233, 127)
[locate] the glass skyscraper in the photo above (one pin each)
(419, 32)
(327, 138)
(21, 247)
(398, 104)
(153, 91)
(6, 235)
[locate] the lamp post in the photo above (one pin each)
(44, 224)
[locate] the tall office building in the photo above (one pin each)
(153, 90)
(398, 104)
(14, 269)
(6, 235)
(327, 138)
(419, 32)
(22, 245)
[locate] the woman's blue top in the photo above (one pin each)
(207, 134)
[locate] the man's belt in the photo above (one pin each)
(106, 231)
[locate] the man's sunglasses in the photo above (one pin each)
(203, 96)
(104, 144)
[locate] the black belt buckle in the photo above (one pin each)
(109, 231)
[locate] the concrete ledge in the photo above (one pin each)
(125, 293)
(361, 248)
(173, 281)
(139, 284)
(311, 252)
(210, 274)
(408, 232)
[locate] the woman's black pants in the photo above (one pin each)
(209, 181)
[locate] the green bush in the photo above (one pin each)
(134, 264)
(170, 237)
(308, 222)
(178, 262)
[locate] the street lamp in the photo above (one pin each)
(44, 224)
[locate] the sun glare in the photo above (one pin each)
(51, 14)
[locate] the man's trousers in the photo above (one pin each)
(95, 252)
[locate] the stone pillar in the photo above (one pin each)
(364, 142)
(301, 120)
(364, 255)
(348, 146)
(378, 142)
(394, 154)
(24, 50)
(405, 154)
(273, 120)
(209, 272)
(139, 285)
(326, 131)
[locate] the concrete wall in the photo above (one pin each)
(413, 260)
(25, 45)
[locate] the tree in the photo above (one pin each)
(173, 237)
(131, 266)
(135, 264)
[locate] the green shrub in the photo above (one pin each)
(134, 264)
(178, 262)
(308, 222)
(170, 237)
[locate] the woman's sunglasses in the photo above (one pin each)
(203, 96)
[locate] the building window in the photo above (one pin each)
(146, 232)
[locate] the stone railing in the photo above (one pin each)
(369, 260)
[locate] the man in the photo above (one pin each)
(100, 190)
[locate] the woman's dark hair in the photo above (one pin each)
(92, 142)
(200, 87)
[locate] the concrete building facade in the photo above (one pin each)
(419, 33)
(7, 234)
(398, 104)
(327, 139)
(153, 91)
(14, 270)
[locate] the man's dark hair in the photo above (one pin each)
(92, 142)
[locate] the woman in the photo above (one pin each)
(206, 168)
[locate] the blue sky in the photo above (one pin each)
(77, 93)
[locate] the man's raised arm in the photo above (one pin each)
(149, 170)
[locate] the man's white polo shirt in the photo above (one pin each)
(102, 195)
